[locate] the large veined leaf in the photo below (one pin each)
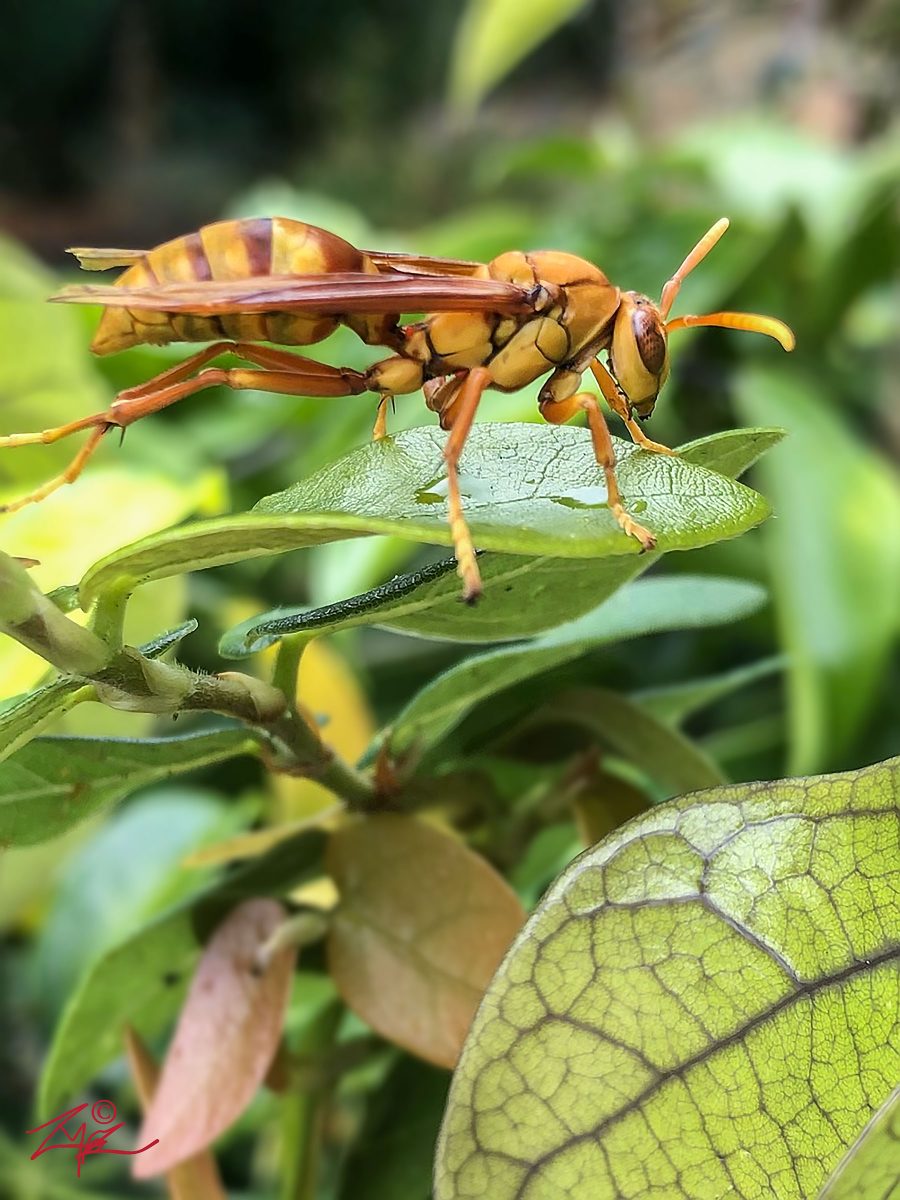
(647, 606)
(523, 595)
(528, 489)
(706, 1004)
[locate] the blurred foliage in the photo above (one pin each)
(620, 136)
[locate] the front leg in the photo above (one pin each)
(617, 402)
(558, 404)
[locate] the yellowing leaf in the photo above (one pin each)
(706, 1005)
(422, 924)
(225, 1041)
(72, 527)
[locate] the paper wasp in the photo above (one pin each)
(499, 325)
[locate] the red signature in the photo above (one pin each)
(103, 1112)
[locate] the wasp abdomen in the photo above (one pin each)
(230, 250)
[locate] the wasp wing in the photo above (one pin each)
(93, 258)
(335, 293)
(422, 264)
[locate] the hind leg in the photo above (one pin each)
(290, 375)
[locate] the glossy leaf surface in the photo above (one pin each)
(523, 595)
(528, 489)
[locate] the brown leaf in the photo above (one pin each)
(225, 1040)
(422, 925)
(197, 1178)
(605, 804)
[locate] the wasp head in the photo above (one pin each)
(639, 354)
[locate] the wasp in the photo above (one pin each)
(249, 286)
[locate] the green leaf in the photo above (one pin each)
(529, 489)
(676, 703)
(53, 783)
(704, 1005)
(23, 717)
(648, 606)
(106, 889)
(870, 1170)
(391, 1157)
(141, 981)
(835, 564)
(523, 596)
(628, 730)
(494, 35)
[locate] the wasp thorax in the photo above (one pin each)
(639, 356)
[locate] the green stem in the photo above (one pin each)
(108, 618)
(287, 664)
(304, 1112)
(139, 684)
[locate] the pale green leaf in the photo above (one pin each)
(494, 35)
(648, 606)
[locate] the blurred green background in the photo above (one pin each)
(618, 132)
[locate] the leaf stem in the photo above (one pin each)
(139, 684)
(287, 664)
(305, 1109)
(108, 617)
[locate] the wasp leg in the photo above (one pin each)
(297, 377)
(458, 418)
(69, 475)
(559, 410)
(379, 429)
(618, 404)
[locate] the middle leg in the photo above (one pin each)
(458, 417)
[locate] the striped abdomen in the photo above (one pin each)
(231, 250)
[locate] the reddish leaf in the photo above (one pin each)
(196, 1178)
(225, 1041)
(422, 925)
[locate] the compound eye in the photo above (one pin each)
(650, 340)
